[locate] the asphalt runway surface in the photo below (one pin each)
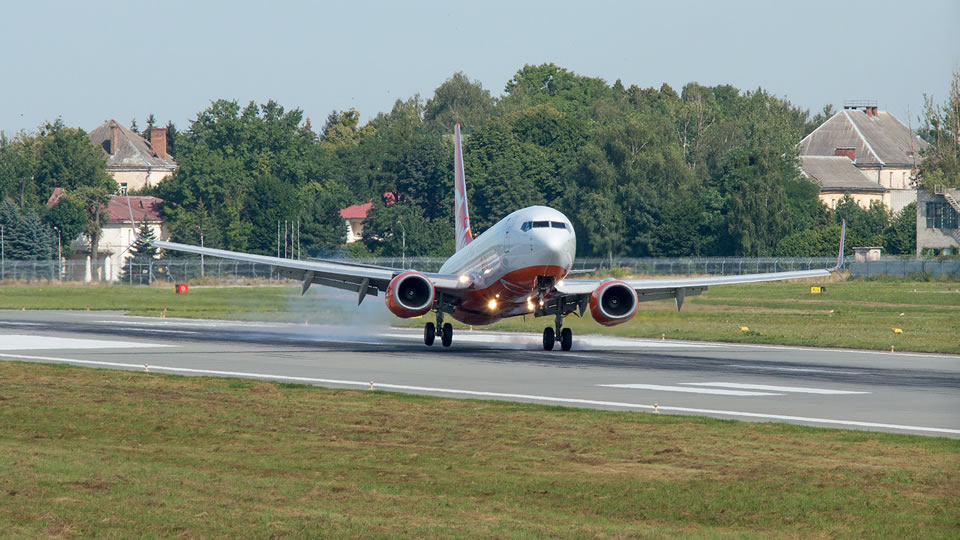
(869, 390)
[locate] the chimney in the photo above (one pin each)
(873, 111)
(849, 152)
(114, 138)
(158, 142)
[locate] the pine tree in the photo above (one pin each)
(137, 266)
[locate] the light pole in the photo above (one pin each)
(199, 228)
(2, 258)
(403, 240)
(59, 257)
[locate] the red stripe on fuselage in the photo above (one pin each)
(513, 289)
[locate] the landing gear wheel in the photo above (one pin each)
(549, 338)
(446, 337)
(566, 339)
(429, 333)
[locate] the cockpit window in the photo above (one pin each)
(527, 225)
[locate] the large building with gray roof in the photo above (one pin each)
(132, 161)
(878, 145)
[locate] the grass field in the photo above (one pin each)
(854, 313)
(87, 452)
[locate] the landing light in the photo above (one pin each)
(560, 283)
(464, 278)
(492, 304)
(529, 305)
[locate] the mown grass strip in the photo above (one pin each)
(111, 453)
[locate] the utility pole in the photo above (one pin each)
(59, 257)
(403, 241)
(284, 239)
(278, 238)
(2, 258)
(199, 228)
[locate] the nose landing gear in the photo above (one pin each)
(563, 335)
(445, 331)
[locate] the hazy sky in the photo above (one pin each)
(90, 61)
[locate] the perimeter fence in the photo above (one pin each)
(186, 270)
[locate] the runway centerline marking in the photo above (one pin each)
(790, 389)
(801, 370)
(20, 342)
(525, 397)
(688, 390)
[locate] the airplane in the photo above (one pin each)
(517, 267)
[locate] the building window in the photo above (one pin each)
(123, 188)
(941, 215)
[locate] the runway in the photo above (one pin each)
(870, 390)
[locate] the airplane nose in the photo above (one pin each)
(554, 248)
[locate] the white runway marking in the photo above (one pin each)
(688, 390)
(24, 342)
(795, 389)
(802, 370)
(525, 397)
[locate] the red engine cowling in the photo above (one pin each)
(410, 294)
(614, 302)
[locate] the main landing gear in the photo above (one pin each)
(445, 331)
(563, 335)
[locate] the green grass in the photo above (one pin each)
(854, 313)
(108, 453)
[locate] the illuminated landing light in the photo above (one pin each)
(529, 305)
(492, 304)
(464, 278)
(560, 283)
(487, 271)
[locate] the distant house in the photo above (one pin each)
(354, 216)
(118, 233)
(938, 221)
(838, 176)
(877, 144)
(132, 161)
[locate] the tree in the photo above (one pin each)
(136, 268)
(458, 101)
(69, 218)
(941, 128)
(94, 201)
(900, 236)
(26, 237)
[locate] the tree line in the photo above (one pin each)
(646, 172)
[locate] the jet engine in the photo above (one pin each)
(613, 302)
(410, 294)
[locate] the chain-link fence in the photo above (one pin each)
(186, 270)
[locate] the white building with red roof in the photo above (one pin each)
(118, 233)
(354, 216)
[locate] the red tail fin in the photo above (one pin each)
(464, 236)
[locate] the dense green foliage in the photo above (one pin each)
(706, 171)
(941, 128)
(142, 252)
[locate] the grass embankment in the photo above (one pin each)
(855, 313)
(100, 452)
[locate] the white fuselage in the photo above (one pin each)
(505, 261)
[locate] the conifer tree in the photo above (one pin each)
(137, 266)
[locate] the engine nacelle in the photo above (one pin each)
(613, 302)
(410, 294)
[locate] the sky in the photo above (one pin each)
(90, 61)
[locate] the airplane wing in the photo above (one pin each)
(679, 288)
(362, 279)
(569, 294)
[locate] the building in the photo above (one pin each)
(354, 216)
(838, 176)
(132, 161)
(938, 221)
(118, 233)
(883, 149)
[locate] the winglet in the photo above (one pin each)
(464, 236)
(843, 235)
